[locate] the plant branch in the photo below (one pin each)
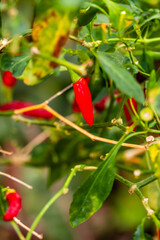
(146, 181)
(5, 152)
(17, 221)
(73, 125)
(133, 188)
(127, 169)
(54, 124)
(91, 136)
(100, 42)
(59, 93)
(16, 180)
(81, 69)
(62, 191)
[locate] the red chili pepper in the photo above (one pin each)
(8, 79)
(37, 113)
(158, 234)
(84, 100)
(14, 202)
(75, 106)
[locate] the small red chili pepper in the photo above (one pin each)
(37, 113)
(14, 202)
(8, 79)
(101, 105)
(158, 234)
(84, 100)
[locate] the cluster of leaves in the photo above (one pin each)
(121, 40)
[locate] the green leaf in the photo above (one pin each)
(91, 194)
(121, 77)
(16, 65)
(82, 54)
(86, 15)
(50, 32)
(3, 203)
(152, 81)
(139, 233)
(120, 16)
(89, 10)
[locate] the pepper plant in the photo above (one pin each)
(104, 57)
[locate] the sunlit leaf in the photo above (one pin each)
(50, 32)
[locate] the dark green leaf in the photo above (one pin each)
(91, 194)
(14, 64)
(121, 77)
(88, 13)
(139, 233)
(152, 81)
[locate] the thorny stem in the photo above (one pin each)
(17, 230)
(62, 191)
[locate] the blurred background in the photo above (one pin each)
(49, 156)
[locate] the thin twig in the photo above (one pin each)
(5, 152)
(40, 236)
(16, 180)
(91, 136)
(59, 93)
(37, 140)
(68, 122)
(11, 40)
